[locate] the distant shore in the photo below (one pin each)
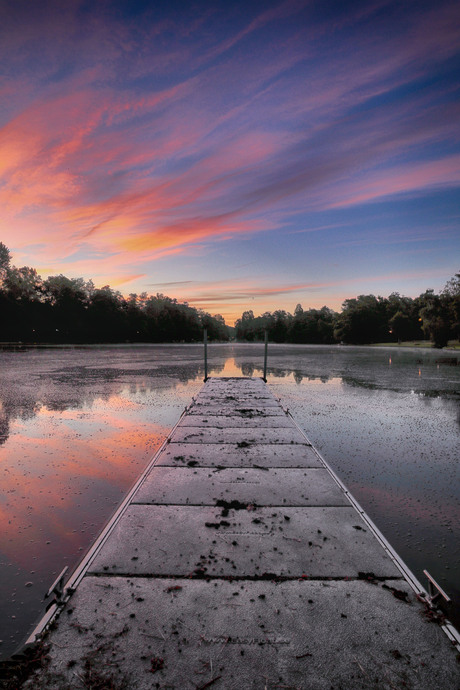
(422, 344)
(451, 345)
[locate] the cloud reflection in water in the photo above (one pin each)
(79, 425)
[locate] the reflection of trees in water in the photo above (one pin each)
(247, 369)
(452, 400)
(250, 369)
(427, 393)
(4, 428)
(216, 368)
(15, 407)
(298, 377)
(76, 387)
(71, 387)
(358, 383)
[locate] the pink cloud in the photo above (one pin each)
(54, 505)
(149, 148)
(405, 179)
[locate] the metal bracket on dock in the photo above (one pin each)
(264, 378)
(57, 588)
(434, 590)
(205, 343)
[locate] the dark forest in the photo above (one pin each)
(72, 310)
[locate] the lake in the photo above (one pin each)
(78, 425)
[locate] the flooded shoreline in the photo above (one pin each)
(78, 425)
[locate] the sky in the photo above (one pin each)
(234, 155)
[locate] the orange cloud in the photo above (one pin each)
(231, 298)
(122, 148)
(122, 280)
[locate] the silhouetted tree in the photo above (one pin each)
(21, 303)
(403, 318)
(362, 320)
(106, 317)
(69, 299)
(136, 318)
(215, 325)
(312, 326)
(435, 315)
(400, 326)
(245, 326)
(279, 327)
(62, 309)
(23, 283)
(5, 258)
(451, 294)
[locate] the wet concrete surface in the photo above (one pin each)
(252, 436)
(261, 485)
(241, 421)
(144, 633)
(317, 542)
(234, 455)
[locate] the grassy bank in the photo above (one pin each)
(452, 344)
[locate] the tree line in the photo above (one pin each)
(61, 309)
(364, 319)
(72, 310)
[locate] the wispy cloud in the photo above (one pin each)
(127, 139)
(227, 292)
(173, 283)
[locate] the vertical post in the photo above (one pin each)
(205, 342)
(265, 356)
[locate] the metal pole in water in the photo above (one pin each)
(205, 342)
(265, 356)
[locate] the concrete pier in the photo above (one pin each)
(239, 561)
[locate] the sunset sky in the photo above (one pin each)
(236, 155)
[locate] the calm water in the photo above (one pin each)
(77, 426)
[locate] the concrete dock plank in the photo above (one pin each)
(237, 412)
(234, 396)
(310, 635)
(290, 542)
(243, 422)
(264, 486)
(242, 411)
(234, 386)
(226, 406)
(250, 385)
(226, 382)
(227, 455)
(188, 434)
